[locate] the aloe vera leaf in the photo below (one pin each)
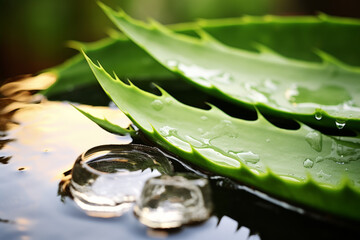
(135, 64)
(294, 37)
(302, 166)
(281, 86)
(108, 126)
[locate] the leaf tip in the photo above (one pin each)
(162, 91)
(112, 14)
(92, 65)
(267, 52)
(104, 7)
(207, 38)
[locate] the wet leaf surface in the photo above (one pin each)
(300, 165)
(276, 84)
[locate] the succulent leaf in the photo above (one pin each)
(281, 86)
(302, 166)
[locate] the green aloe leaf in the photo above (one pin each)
(134, 64)
(108, 126)
(302, 166)
(293, 37)
(306, 91)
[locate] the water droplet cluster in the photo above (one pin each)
(201, 75)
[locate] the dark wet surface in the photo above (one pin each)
(41, 141)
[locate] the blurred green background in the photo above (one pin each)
(34, 32)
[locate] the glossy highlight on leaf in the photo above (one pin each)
(302, 166)
(275, 84)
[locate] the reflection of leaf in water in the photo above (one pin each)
(254, 152)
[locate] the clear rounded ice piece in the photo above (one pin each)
(172, 201)
(107, 180)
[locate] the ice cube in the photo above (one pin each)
(107, 180)
(172, 201)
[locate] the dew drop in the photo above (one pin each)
(340, 124)
(314, 139)
(157, 104)
(168, 100)
(308, 163)
(249, 157)
(204, 118)
(226, 122)
(318, 114)
(206, 141)
(268, 140)
(167, 130)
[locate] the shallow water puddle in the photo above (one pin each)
(47, 139)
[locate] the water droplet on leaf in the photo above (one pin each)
(318, 114)
(340, 124)
(168, 100)
(248, 157)
(314, 139)
(157, 104)
(206, 141)
(226, 122)
(308, 163)
(167, 130)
